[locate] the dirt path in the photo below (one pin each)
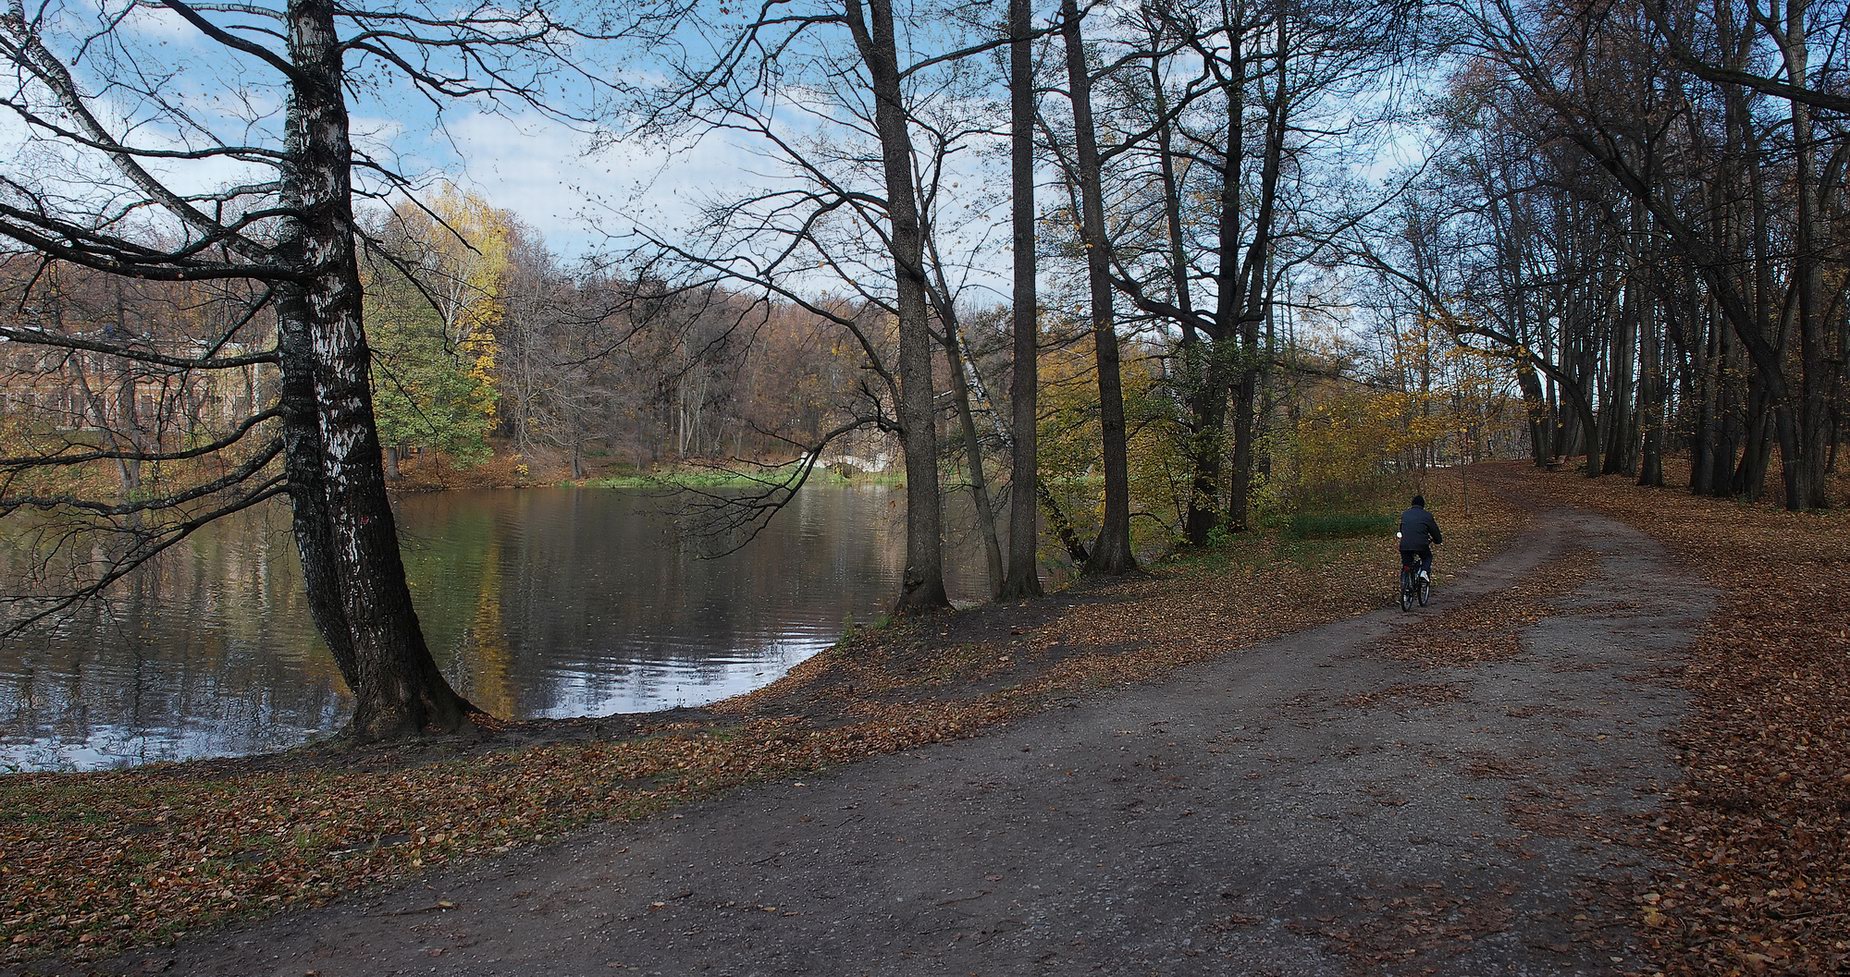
(1312, 806)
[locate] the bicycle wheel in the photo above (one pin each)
(1406, 590)
(1425, 591)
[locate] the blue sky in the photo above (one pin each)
(544, 170)
(516, 157)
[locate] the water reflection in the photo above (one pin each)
(546, 602)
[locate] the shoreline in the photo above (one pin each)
(418, 475)
(233, 839)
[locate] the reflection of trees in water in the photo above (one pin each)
(538, 602)
(453, 559)
(205, 650)
(618, 611)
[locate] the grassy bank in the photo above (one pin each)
(96, 862)
(433, 473)
(715, 477)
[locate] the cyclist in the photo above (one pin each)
(1418, 532)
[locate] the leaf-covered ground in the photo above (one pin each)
(1755, 842)
(92, 863)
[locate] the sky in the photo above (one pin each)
(581, 194)
(544, 170)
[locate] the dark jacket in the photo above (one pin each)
(1418, 529)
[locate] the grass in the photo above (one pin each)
(719, 478)
(1337, 525)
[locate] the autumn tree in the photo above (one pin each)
(437, 292)
(1111, 551)
(118, 179)
(1731, 225)
(850, 204)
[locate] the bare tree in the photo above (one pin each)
(1744, 213)
(859, 139)
(123, 197)
(1111, 552)
(1023, 576)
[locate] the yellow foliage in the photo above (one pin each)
(464, 247)
(1346, 438)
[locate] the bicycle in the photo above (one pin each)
(1414, 585)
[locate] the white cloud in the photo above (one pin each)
(550, 177)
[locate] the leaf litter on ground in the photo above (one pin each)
(94, 863)
(1753, 845)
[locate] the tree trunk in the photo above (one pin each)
(1652, 395)
(1023, 578)
(1254, 295)
(1207, 400)
(922, 589)
(973, 458)
(1061, 525)
(1621, 384)
(1749, 478)
(1808, 443)
(1111, 553)
(1536, 411)
(302, 453)
(400, 690)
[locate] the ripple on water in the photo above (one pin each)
(541, 603)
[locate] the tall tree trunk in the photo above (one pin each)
(302, 453)
(1254, 294)
(1699, 380)
(1652, 397)
(922, 589)
(973, 457)
(1728, 436)
(1204, 367)
(1111, 553)
(400, 690)
(1023, 578)
(1621, 383)
(1806, 463)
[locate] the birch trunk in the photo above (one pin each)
(399, 689)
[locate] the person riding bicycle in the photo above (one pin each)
(1418, 532)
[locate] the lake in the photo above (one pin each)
(535, 602)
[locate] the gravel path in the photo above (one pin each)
(1311, 806)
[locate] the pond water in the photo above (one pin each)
(536, 603)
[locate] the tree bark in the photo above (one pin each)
(1210, 372)
(973, 456)
(400, 690)
(310, 521)
(922, 589)
(1023, 578)
(1253, 296)
(1806, 465)
(1652, 396)
(1111, 553)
